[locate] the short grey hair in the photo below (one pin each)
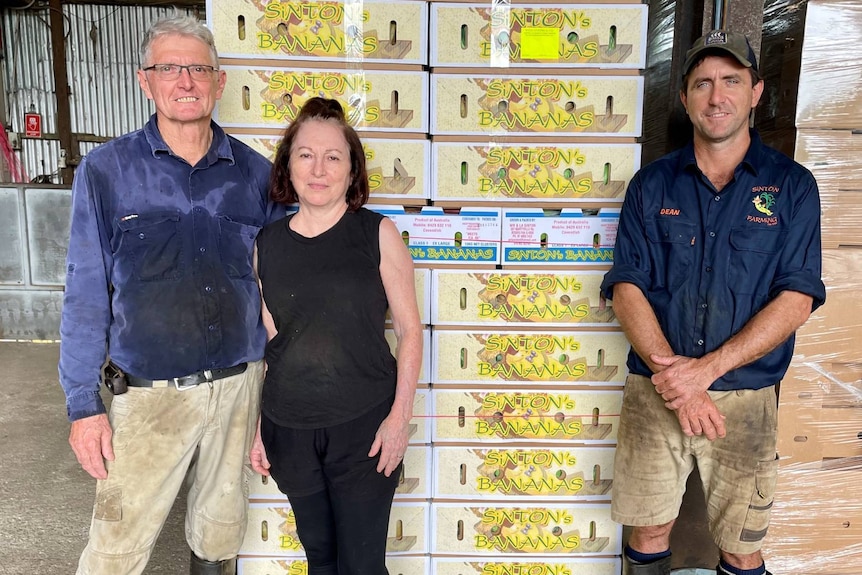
(178, 26)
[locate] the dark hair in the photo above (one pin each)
(755, 75)
(324, 109)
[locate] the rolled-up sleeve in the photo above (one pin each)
(801, 259)
(631, 254)
(85, 318)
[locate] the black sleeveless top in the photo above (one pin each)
(330, 362)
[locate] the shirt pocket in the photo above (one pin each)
(753, 259)
(236, 245)
(152, 242)
(672, 241)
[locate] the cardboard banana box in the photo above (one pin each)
(555, 175)
(551, 360)
(373, 100)
(571, 236)
(393, 32)
(398, 170)
(519, 299)
(536, 105)
(422, 283)
(523, 474)
(414, 482)
(588, 417)
(424, 370)
(480, 529)
(397, 565)
(536, 36)
(271, 530)
(461, 237)
(525, 566)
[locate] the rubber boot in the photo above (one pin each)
(660, 567)
(198, 566)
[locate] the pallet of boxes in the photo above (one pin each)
(817, 519)
(509, 210)
(371, 56)
(535, 111)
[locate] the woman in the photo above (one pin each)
(334, 409)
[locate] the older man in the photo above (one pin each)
(160, 280)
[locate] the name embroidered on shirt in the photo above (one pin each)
(669, 212)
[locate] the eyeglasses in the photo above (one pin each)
(173, 71)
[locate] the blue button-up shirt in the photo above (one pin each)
(708, 261)
(159, 271)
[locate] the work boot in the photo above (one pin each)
(660, 567)
(198, 566)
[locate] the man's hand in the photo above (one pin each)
(700, 416)
(682, 379)
(257, 455)
(90, 439)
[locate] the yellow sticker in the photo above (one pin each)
(540, 43)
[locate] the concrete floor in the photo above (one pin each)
(47, 499)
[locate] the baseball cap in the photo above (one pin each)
(733, 43)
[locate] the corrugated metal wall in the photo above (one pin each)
(101, 58)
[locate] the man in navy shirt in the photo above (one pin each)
(716, 265)
(160, 279)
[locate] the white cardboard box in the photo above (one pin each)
(523, 473)
(582, 417)
(559, 529)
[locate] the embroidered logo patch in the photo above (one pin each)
(763, 202)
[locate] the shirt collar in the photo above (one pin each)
(220, 148)
(752, 155)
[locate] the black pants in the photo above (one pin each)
(340, 502)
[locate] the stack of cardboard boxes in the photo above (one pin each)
(817, 518)
(500, 139)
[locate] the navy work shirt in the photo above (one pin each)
(159, 270)
(708, 261)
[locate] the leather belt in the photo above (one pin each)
(188, 381)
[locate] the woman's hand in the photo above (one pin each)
(391, 442)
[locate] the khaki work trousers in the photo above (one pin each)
(163, 436)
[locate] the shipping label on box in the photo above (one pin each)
(397, 169)
(466, 236)
(550, 359)
(525, 36)
(414, 483)
(579, 473)
(372, 100)
(480, 415)
(271, 530)
(571, 236)
(424, 370)
(520, 299)
(524, 566)
(462, 529)
(508, 173)
(536, 105)
(397, 565)
(369, 31)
